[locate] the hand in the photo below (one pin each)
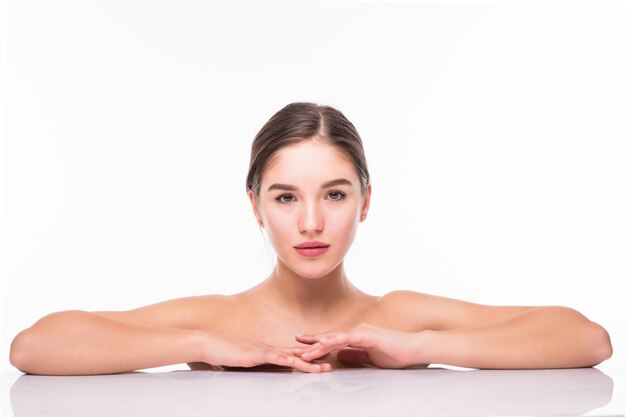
(230, 351)
(374, 345)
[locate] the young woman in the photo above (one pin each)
(309, 187)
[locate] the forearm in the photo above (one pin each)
(79, 342)
(548, 337)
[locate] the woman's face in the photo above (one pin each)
(310, 192)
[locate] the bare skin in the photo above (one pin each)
(307, 310)
(417, 328)
(255, 314)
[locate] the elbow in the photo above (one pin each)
(30, 349)
(590, 342)
(18, 355)
(601, 348)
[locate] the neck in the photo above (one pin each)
(311, 298)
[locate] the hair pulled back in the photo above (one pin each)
(297, 122)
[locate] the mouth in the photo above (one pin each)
(312, 248)
(312, 245)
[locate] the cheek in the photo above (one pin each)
(342, 225)
(278, 227)
(348, 226)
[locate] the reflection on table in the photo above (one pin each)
(343, 392)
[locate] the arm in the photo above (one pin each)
(80, 342)
(544, 337)
(478, 336)
(171, 332)
(452, 332)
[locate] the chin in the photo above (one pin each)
(314, 270)
(312, 273)
(311, 268)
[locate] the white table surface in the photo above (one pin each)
(435, 391)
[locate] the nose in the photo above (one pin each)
(311, 218)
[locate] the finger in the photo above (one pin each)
(322, 359)
(306, 339)
(316, 355)
(302, 349)
(278, 358)
(354, 338)
(315, 340)
(324, 347)
(289, 350)
(305, 366)
(312, 338)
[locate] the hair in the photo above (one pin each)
(300, 121)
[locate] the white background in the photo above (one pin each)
(495, 135)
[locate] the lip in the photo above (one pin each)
(311, 248)
(313, 244)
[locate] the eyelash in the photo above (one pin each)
(341, 197)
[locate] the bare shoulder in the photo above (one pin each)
(400, 295)
(186, 312)
(419, 311)
(400, 300)
(403, 310)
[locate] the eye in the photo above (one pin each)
(285, 198)
(336, 195)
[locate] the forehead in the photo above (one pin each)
(309, 161)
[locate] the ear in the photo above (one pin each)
(255, 207)
(366, 201)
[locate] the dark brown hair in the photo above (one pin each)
(299, 121)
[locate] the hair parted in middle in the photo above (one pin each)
(301, 121)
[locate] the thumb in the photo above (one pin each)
(354, 356)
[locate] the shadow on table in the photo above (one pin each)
(344, 392)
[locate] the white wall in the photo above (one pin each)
(495, 136)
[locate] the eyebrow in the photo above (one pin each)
(287, 187)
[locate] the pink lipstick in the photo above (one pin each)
(311, 248)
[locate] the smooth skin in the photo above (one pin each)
(307, 315)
